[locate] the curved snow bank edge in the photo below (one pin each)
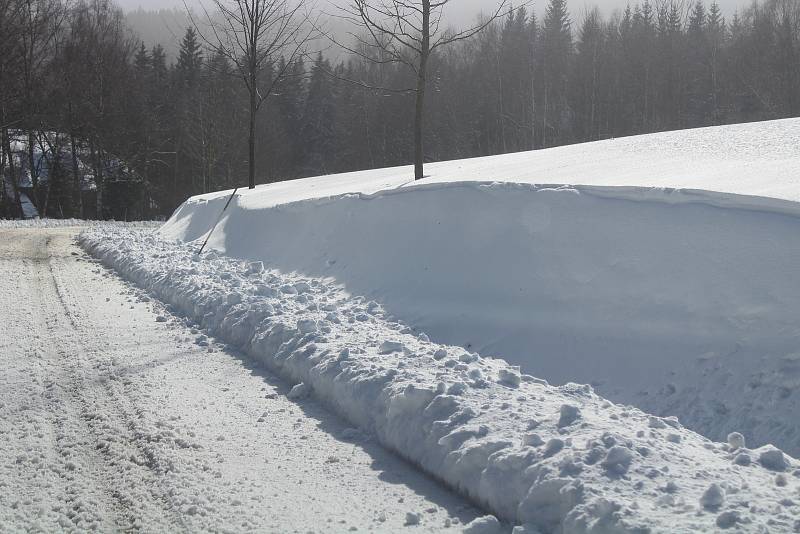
(561, 459)
(664, 195)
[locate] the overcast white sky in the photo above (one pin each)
(465, 10)
(461, 11)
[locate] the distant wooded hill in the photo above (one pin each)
(524, 83)
(165, 27)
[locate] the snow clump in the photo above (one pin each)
(487, 524)
(736, 441)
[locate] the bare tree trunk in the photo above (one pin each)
(53, 169)
(645, 121)
(367, 131)
(544, 116)
(419, 116)
(593, 129)
(46, 200)
(145, 182)
(533, 99)
(33, 169)
(77, 197)
(175, 199)
(715, 101)
(419, 151)
(252, 143)
(501, 103)
(3, 194)
(13, 171)
(5, 155)
(98, 179)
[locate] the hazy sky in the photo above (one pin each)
(468, 8)
(461, 11)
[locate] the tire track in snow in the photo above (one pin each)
(32, 435)
(82, 482)
(121, 445)
(215, 443)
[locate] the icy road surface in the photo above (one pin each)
(114, 421)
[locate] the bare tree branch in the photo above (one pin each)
(263, 39)
(407, 32)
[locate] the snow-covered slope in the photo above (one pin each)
(682, 302)
(553, 459)
(759, 159)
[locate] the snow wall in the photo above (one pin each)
(680, 302)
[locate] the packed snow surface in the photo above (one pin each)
(117, 416)
(72, 223)
(553, 459)
(667, 278)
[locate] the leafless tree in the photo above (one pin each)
(11, 27)
(42, 21)
(409, 32)
(256, 35)
(92, 64)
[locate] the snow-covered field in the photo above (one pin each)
(757, 159)
(668, 278)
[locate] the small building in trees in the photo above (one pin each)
(67, 180)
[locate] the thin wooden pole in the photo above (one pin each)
(219, 218)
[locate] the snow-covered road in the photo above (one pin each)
(110, 419)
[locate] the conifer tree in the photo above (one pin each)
(556, 47)
(190, 58)
(189, 132)
(588, 62)
(141, 61)
(319, 121)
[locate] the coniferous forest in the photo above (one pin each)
(136, 133)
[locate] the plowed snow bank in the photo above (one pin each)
(560, 459)
(660, 299)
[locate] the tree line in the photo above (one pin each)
(131, 135)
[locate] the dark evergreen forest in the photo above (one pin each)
(137, 134)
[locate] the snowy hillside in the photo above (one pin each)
(759, 159)
(681, 302)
